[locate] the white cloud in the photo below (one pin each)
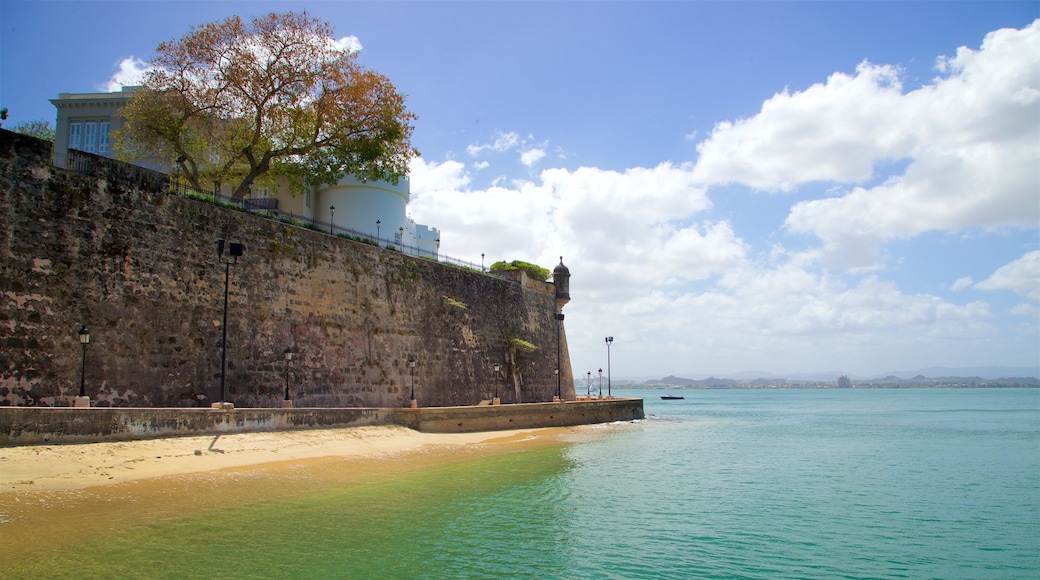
(1021, 277)
(827, 132)
(430, 177)
(962, 283)
(531, 156)
(502, 142)
(130, 71)
(668, 285)
(347, 44)
(969, 140)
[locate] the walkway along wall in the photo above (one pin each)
(113, 251)
(53, 426)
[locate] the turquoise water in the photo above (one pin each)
(723, 484)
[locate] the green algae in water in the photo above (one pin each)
(473, 519)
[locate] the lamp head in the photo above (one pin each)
(288, 353)
(84, 335)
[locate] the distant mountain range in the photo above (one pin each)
(946, 373)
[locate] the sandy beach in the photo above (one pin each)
(70, 467)
(54, 496)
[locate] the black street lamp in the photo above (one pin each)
(601, 383)
(498, 368)
(482, 261)
(559, 324)
(234, 251)
(411, 374)
(288, 359)
(378, 224)
(332, 220)
(84, 339)
(588, 385)
(609, 340)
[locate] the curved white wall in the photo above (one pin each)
(359, 204)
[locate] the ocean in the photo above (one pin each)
(921, 483)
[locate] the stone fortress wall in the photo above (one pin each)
(112, 250)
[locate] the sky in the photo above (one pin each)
(736, 187)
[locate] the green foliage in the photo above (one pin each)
(534, 271)
(39, 128)
(455, 302)
(521, 345)
(207, 198)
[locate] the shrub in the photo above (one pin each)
(533, 271)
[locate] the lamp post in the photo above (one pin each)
(609, 340)
(287, 402)
(411, 374)
(559, 324)
(482, 261)
(234, 251)
(588, 385)
(378, 223)
(496, 400)
(84, 339)
(601, 383)
(332, 220)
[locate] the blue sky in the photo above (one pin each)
(735, 186)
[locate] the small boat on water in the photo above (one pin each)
(672, 397)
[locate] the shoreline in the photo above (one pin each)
(66, 467)
(70, 494)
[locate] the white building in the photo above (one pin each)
(377, 210)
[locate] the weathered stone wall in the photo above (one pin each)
(139, 267)
(55, 426)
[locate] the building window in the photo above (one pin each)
(103, 137)
(307, 198)
(89, 136)
(76, 136)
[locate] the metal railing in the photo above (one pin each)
(263, 207)
(266, 207)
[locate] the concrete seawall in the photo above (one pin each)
(62, 425)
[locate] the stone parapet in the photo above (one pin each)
(56, 426)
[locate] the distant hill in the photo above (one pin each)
(673, 381)
(931, 376)
(986, 373)
(978, 373)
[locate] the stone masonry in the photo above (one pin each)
(112, 250)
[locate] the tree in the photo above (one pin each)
(39, 128)
(241, 103)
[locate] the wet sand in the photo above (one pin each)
(52, 497)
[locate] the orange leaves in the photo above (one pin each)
(278, 89)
